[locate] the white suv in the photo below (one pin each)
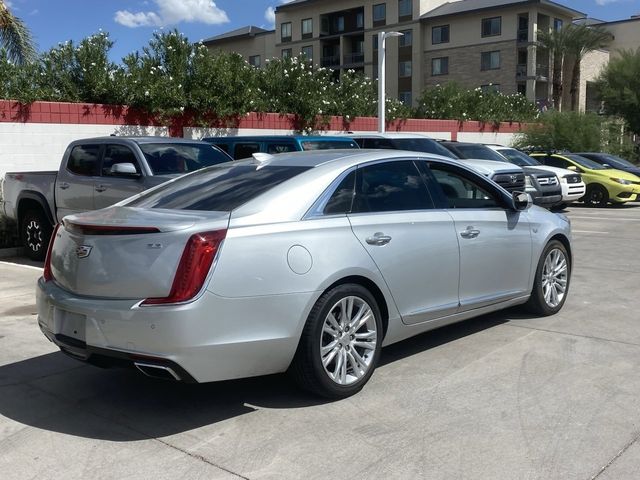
(573, 187)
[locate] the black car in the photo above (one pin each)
(613, 161)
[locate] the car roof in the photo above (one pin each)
(398, 135)
(147, 139)
(280, 137)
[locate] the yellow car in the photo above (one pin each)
(604, 184)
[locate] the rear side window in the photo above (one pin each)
(327, 144)
(556, 162)
(218, 188)
(275, 148)
(84, 160)
(177, 158)
(389, 187)
(114, 154)
(342, 198)
(245, 150)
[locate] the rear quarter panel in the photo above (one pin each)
(19, 185)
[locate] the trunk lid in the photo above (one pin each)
(126, 253)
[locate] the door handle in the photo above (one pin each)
(63, 185)
(100, 188)
(379, 239)
(470, 232)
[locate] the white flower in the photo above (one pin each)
(146, 93)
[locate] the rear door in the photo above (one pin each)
(413, 245)
(76, 180)
(495, 241)
(111, 188)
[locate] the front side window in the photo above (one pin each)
(219, 189)
(84, 160)
(460, 191)
(285, 32)
(405, 8)
(307, 28)
(172, 158)
(440, 66)
(491, 26)
(380, 12)
(490, 60)
(440, 34)
(114, 154)
(404, 69)
(390, 187)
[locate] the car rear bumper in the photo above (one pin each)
(210, 339)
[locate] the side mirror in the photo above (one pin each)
(521, 201)
(573, 168)
(124, 170)
(606, 165)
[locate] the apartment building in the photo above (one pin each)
(476, 43)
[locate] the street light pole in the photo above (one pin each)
(382, 40)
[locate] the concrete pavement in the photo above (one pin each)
(504, 396)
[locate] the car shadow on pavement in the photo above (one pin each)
(55, 393)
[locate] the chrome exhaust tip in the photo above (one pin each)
(157, 371)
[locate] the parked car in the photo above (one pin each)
(511, 178)
(544, 187)
(244, 146)
(219, 275)
(95, 173)
(613, 161)
(604, 184)
(573, 188)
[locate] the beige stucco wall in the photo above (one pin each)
(262, 44)
(626, 35)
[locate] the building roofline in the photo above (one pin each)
(248, 31)
(575, 14)
(625, 20)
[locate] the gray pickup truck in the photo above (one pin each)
(96, 173)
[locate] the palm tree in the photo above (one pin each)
(580, 40)
(15, 37)
(554, 41)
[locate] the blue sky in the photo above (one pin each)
(131, 23)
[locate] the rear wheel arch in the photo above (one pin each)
(28, 201)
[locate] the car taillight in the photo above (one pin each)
(194, 266)
(47, 274)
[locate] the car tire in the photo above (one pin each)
(336, 358)
(553, 274)
(35, 232)
(596, 196)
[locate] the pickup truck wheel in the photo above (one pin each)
(35, 231)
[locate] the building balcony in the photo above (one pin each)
(354, 58)
(331, 61)
(542, 72)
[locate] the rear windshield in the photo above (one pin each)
(176, 158)
(222, 188)
(327, 144)
(422, 145)
(478, 152)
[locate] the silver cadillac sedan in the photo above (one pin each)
(304, 262)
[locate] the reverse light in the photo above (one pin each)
(194, 266)
(47, 274)
(621, 181)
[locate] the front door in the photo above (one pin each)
(110, 188)
(75, 181)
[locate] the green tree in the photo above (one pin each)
(571, 131)
(555, 42)
(619, 87)
(15, 37)
(580, 40)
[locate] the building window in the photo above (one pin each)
(405, 8)
(307, 52)
(490, 60)
(406, 40)
(374, 40)
(491, 88)
(307, 28)
(557, 24)
(339, 24)
(286, 53)
(285, 32)
(405, 97)
(404, 69)
(380, 13)
(360, 20)
(440, 66)
(440, 34)
(491, 26)
(254, 60)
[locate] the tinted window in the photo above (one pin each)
(389, 187)
(176, 158)
(341, 199)
(220, 188)
(83, 160)
(379, 143)
(118, 154)
(556, 162)
(245, 150)
(478, 152)
(518, 158)
(585, 162)
(327, 144)
(460, 191)
(609, 159)
(422, 145)
(280, 147)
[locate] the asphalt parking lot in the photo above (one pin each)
(504, 396)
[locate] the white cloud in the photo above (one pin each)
(605, 2)
(171, 12)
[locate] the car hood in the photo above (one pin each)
(560, 172)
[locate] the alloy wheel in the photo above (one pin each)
(555, 276)
(34, 235)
